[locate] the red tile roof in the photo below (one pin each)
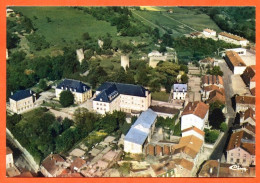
(236, 140)
(184, 163)
(249, 113)
(50, 163)
(199, 109)
(195, 129)
(209, 30)
(232, 36)
(77, 163)
(234, 58)
(248, 75)
(217, 95)
(212, 79)
(252, 91)
(245, 100)
(158, 150)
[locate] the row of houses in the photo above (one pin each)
(224, 36)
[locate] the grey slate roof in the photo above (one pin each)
(109, 91)
(68, 84)
(180, 87)
(146, 120)
(22, 94)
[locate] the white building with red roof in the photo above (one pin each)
(194, 114)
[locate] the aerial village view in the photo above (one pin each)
(130, 92)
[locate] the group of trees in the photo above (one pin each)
(196, 49)
(41, 133)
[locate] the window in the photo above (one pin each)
(244, 160)
(238, 160)
(238, 154)
(231, 159)
(244, 155)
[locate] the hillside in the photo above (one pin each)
(180, 21)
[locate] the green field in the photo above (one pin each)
(188, 17)
(161, 96)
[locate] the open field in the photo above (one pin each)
(161, 96)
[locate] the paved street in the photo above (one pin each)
(230, 115)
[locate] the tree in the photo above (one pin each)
(66, 98)
(211, 136)
(216, 117)
(184, 78)
(223, 126)
(43, 84)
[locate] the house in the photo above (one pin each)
(183, 167)
(193, 131)
(252, 91)
(53, 165)
(248, 76)
(217, 95)
(22, 101)
(241, 149)
(9, 158)
(209, 33)
(81, 91)
(189, 148)
(112, 96)
(206, 90)
(231, 38)
(244, 102)
(179, 91)
(194, 114)
(208, 62)
(235, 62)
(77, 164)
(140, 132)
(214, 168)
(212, 80)
(155, 57)
(248, 117)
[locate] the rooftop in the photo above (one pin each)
(199, 109)
(245, 100)
(249, 113)
(50, 163)
(209, 30)
(22, 94)
(140, 129)
(235, 59)
(212, 80)
(110, 90)
(8, 151)
(232, 36)
(248, 75)
(195, 129)
(180, 87)
(73, 85)
(184, 163)
(163, 109)
(243, 140)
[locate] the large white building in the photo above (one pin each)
(81, 91)
(231, 38)
(235, 62)
(140, 132)
(179, 91)
(194, 114)
(118, 96)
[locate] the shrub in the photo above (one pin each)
(223, 127)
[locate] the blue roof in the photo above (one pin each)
(68, 84)
(146, 120)
(22, 94)
(179, 87)
(109, 91)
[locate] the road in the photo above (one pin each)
(230, 115)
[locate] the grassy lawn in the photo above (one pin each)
(161, 96)
(93, 138)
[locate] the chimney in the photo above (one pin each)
(84, 88)
(146, 93)
(12, 93)
(30, 91)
